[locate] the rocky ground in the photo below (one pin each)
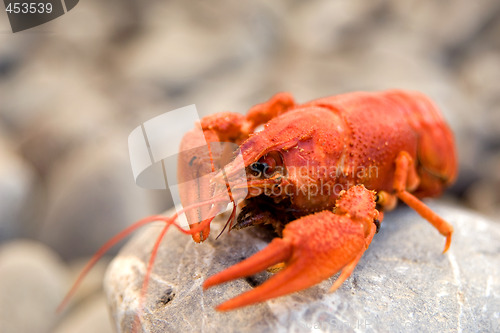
(72, 90)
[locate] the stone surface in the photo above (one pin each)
(403, 282)
(33, 281)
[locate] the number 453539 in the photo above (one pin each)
(29, 8)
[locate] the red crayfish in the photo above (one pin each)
(322, 174)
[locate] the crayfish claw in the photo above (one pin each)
(346, 272)
(293, 278)
(277, 251)
(313, 248)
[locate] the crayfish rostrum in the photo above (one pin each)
(321, 173)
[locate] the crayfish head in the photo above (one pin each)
(295, 157)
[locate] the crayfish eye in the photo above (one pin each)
(258, 167)
(267, 164)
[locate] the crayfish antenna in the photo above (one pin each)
(124, 233)
(149, 269)
(98, 255)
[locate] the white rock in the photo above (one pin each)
(33, 281)
(403, 282)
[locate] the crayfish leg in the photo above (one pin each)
(262, 113)
(386, 200)
(423, 210)
(405, 176)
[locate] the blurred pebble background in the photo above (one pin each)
(73, 89)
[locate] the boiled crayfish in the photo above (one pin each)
(322, 174)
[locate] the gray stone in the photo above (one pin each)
(97, 28)
(479, 73)
(464, 22)
(16, 182)
(52, 136)
(152, 61)
(403, 282)
(87, 309)
(484, 195)
(92, 284)
(319, 34)
(91, 316)
(14, 49)
(33, 281)
(91, 196)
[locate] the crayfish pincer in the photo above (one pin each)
(321, 174)
(313, 248)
